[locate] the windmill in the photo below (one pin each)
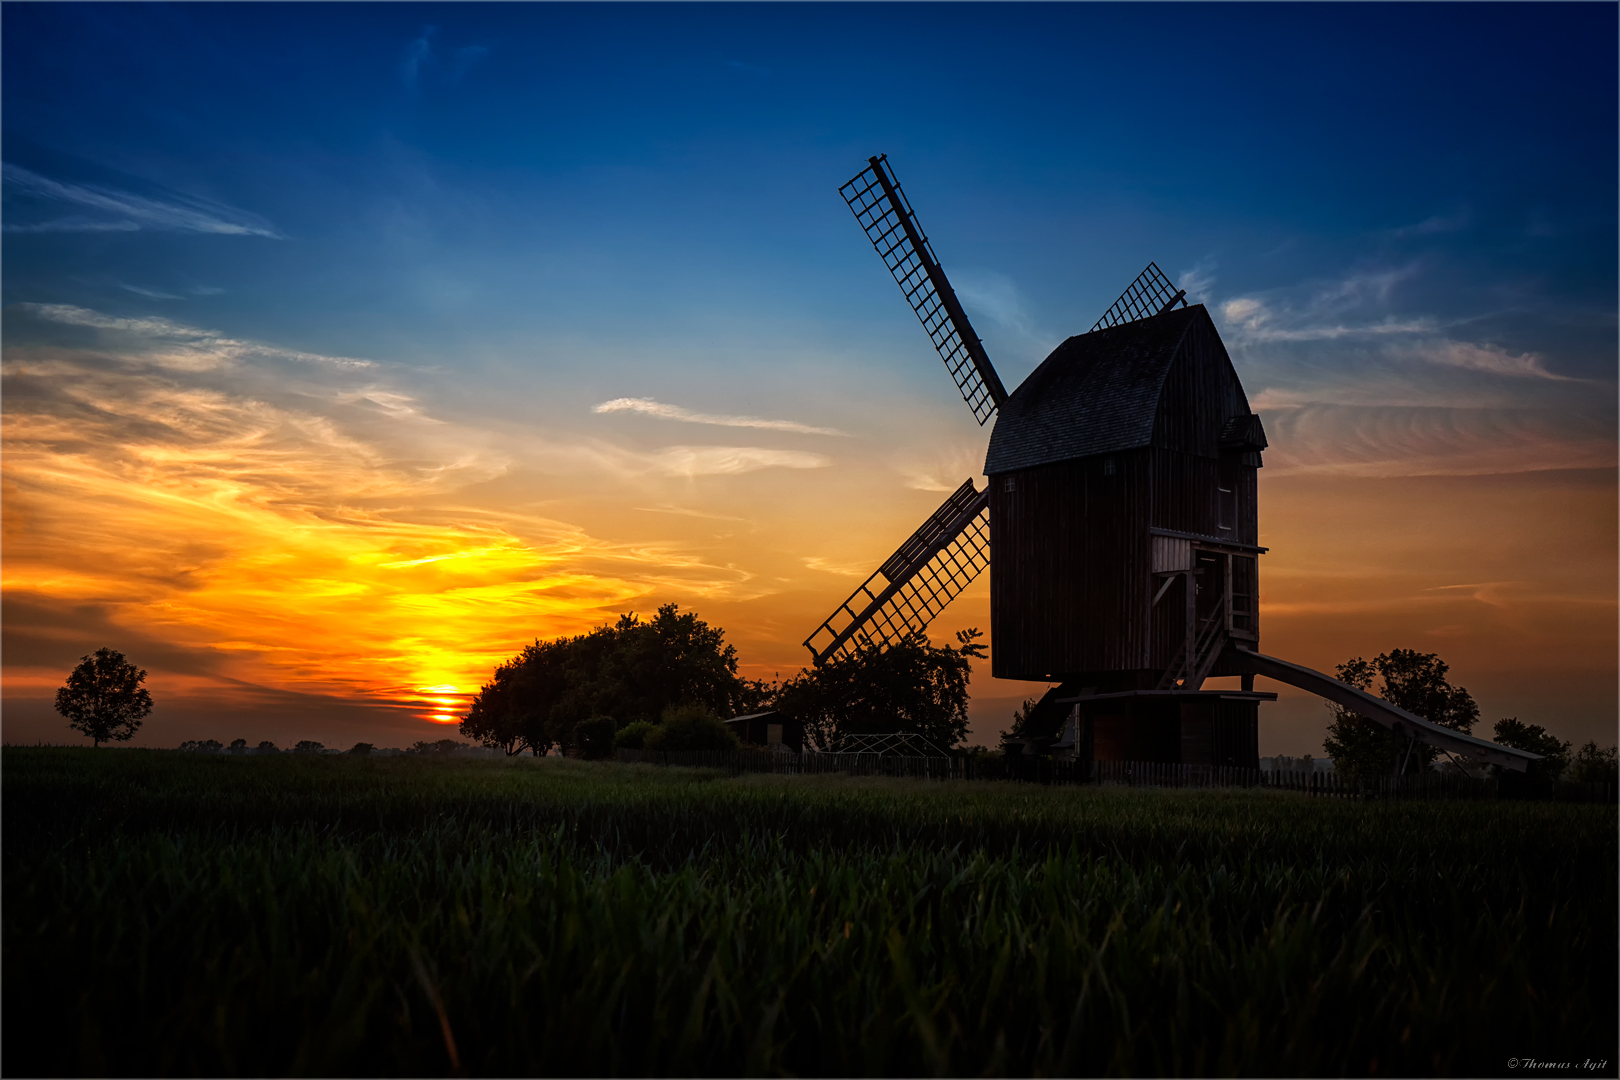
(1121, 510)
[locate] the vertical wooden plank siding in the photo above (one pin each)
(1072, 557)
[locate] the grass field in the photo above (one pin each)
(168, 913)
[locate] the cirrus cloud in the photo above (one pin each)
(674, 412)
(731, 460)
(107, 209)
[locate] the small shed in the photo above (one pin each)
(769, 729)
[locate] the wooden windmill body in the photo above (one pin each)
(1119, 525)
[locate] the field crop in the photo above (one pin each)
(168, 913)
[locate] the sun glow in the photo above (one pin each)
(263, 538)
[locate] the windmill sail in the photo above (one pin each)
(915, 583)
(882, 209)
(1150, 294)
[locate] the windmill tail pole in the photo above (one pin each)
(1376, 709)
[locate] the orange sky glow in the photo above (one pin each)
(260, 546)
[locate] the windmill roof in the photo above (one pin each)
(1097, 393)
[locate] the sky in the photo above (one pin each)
(349, 348)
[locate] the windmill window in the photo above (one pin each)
(1227, 508)
(1010, 484)
(1108, 468)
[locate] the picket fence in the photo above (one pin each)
(1126, 774)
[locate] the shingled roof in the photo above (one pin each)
(1097, 393)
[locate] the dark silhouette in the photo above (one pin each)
(1412, 681)
(441, 748)
(1534, 738)
(308, 746)
(629, 670)
(690, 727)
(1595, 765)
(104, 697)
(202, 746)
(910, 686)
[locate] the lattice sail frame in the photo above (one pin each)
(1150, 294)
(926, 573)
(884, 213)
(899, 743)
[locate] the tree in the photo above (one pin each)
(104, 697)
(268, 747)
(1595, 765)
(308, 746)
(239, 746)
(911, 686)
(627, 669)
(1411, 680)
(1534, 738)
(361, 749)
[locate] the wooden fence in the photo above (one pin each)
(1128, 774)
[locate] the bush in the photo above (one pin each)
(690, 727)
(594, 737)
(634, 736)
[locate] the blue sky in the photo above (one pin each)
(485, 220)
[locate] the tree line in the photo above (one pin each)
(667, 683)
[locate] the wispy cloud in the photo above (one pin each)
(730, 460)
(995, 296)
(675, 412)
(1256, 320)
(419, 57)
(941, 468)
(150, 294)
(1435, 225)
(1491, 358)
(1198, 282)
(1389, 441)
(418, 54)
(113, 210)
(1351, 384)
(682, 511)
(826, 567)
(176, 345)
